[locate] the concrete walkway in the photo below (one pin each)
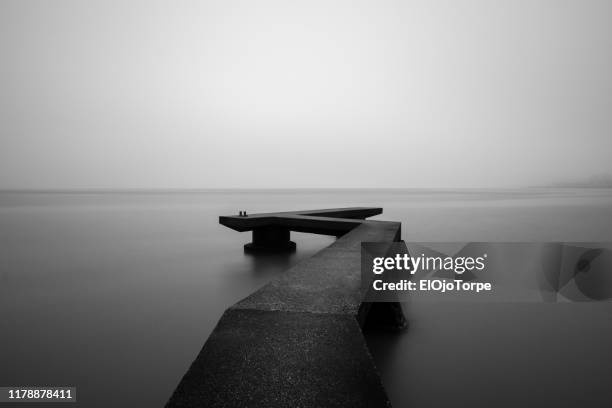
(297, 341)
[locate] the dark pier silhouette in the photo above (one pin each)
(297, 341)
(271, 231)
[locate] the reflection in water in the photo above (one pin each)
(263, 264)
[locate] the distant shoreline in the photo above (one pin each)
(302, 190)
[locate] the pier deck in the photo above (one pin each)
(297, 341)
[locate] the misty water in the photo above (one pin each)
(115, 293)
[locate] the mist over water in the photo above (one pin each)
(115, 293)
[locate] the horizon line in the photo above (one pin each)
(95, 190)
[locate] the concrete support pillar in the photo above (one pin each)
(271, 239)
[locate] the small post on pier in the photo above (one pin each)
(270, 239)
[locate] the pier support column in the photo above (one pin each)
(270, 239)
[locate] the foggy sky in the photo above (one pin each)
(195, 94)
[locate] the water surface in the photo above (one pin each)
(115, 293)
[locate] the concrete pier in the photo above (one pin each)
(271, 231)
(297, 341)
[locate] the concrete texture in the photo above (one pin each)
(258, 358)
(329, 281)
(297, 341)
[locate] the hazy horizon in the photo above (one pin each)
(102, 95)
(94, 190)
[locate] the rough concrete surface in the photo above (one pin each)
(297, 341)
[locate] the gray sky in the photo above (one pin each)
(195, 94)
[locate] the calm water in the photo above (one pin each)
(116, 294)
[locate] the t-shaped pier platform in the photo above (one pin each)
(272, 231)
